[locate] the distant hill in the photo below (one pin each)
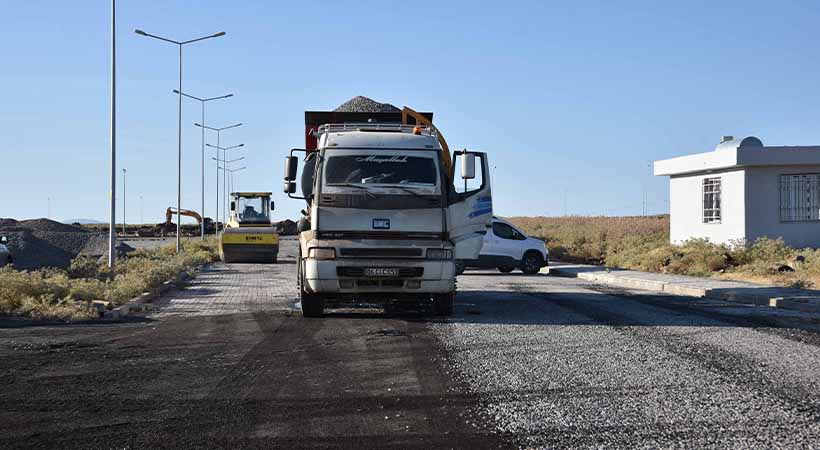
(82, 221)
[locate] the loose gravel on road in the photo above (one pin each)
(561, 365)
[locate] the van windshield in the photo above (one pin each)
(380, 169)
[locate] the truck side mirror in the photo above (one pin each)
(290, 187)
(233, 206)
(467, 166)
(271, 205)
(291, 164)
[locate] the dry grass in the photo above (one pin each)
(590, 239)
(67, 294)
(642, 243)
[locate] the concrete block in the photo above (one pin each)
(805, 304)
(687, 290)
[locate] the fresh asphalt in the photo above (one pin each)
(527, 361)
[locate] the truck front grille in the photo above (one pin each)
(387, 252)
(358, 272)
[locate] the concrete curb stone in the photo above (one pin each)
(732, 291)
(142, 302)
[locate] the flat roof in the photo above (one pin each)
(736, 154)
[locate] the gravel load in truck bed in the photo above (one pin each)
(364, 104)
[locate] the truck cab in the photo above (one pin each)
(384, 221)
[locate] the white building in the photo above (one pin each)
(744, 190)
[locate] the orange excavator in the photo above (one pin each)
(169, 227)
(169, 213)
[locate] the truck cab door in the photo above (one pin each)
(470, 211)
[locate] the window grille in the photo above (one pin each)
(799, 197)
(711, 200)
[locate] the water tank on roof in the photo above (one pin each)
(730, 143)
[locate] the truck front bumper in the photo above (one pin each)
(346, 276)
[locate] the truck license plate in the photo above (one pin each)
(381, 272)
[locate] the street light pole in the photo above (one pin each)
(218, 131)
(112, 201)
(224, 175)
(123, 201)
(231, 171)
(225, 169)
(202, 101)
(179, 123)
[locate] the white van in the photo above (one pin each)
(507, 248)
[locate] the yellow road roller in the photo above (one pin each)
(248, 236)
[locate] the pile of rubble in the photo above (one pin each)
(364, 104)
(40, 243)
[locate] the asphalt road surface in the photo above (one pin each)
(527, 361)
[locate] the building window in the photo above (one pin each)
(711, 200)
(799, 197)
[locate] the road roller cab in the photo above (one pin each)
(249, 235)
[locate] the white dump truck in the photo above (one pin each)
(385, 222)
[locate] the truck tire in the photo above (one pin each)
(443, 304)
(313, 305)
(531, 262)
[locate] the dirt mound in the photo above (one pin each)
(40, 243)
(7, 223)
(97, 246)
(50, 226)
(286, 227)
(364, 104)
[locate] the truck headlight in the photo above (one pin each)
(439, 253)
(322, 253)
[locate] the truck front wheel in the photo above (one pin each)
(313, 305)
(443, 304)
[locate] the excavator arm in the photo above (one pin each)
(421, 120)
(185, 212)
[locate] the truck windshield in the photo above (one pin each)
(380, 169)
(253, 210)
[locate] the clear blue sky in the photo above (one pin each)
(575, 97)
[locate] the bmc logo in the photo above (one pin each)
(253, 238)
(381, 224)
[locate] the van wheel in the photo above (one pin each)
(443, 304)
(505, 269)
(531, 263)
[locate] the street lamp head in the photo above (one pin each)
(176, 91)
(140, 32)
(196, 124)
(221, 33)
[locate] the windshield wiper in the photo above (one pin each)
(406, 189)
(358, 186)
